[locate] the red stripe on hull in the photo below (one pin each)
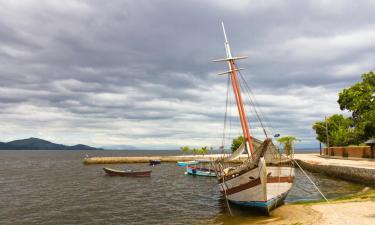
(244, 186)
(256, 182)
(288, 179)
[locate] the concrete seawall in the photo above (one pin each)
(145, 159)
(360, 171)
(352, 170)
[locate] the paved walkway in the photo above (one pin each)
(316, 159)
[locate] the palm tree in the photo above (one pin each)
(288, 142)
(204, 150)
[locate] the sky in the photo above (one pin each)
(140, 73)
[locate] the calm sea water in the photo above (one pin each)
(54, 187)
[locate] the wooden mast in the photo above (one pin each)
(237, 93)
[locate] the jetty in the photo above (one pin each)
(358, 170)
(353, 169)
(146, 159)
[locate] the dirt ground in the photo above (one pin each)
(353, 213)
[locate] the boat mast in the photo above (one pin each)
(237, 93)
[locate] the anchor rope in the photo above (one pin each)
(312, 182)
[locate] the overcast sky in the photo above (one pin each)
(141, 73)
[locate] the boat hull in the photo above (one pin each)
(191, 170)
(263, 206)
(113, 172)
(154, 162)
(262, 187)
(187, 163)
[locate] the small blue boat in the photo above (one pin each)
(200, 171)
(202, 168)
(188, 163)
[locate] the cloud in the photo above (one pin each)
(140, 72)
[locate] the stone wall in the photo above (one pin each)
(360, 175)
(356, 152)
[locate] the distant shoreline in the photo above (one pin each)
(40, 144)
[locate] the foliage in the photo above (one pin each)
(288, 142)
(185, 149)
(359, 99)
(236, 143)
(196, 151)
(204, 150)
(340, 130)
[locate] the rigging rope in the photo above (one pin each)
(253, 103)
(261, 115)
(225, 117)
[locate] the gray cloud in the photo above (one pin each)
(140, 72)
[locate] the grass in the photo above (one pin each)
(367, 195)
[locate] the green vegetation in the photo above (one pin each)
(340, 130)
(359, 99)
(185, 149)
(364, 195)
(236, 143)
(196, 151)
(287, 142)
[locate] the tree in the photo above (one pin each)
(236, 143)
(204, 150)
(340, 130)
(359, 99)
(196, 151)
(185, 149)
(288, 142)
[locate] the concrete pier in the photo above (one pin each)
(146, 159)
(352, 169)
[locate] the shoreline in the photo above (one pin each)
(354, 209)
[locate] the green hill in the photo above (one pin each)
(40, 144)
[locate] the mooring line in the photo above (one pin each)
(311, 180)
(329, 206)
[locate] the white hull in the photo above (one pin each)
(262, 186)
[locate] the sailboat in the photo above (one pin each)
(265, 177)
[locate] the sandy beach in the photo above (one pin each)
(359, 210)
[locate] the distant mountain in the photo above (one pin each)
(40, 144)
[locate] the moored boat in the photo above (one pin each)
(200, 171)
(154, 162)
(126, 173)
(187, 163)
(265, 177)
(201, 168)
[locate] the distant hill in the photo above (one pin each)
(40, 144)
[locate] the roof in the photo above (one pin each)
(371, 141)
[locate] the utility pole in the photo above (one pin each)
(320, 147)
(327, 132)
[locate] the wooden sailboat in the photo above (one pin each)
(264, 179)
